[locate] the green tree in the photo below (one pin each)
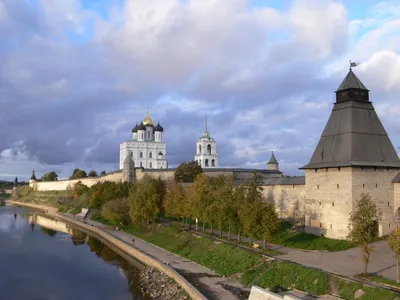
(78, 174)
(269, 221)
(187, 171)
(394, 244)
(363, 226)
(51, 176)
(175, 205)
(200, 198)
(249, 210)
(144, 201)
(93, 173)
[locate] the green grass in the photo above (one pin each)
(287, 275)
(347, 290)
(299, 239)
(75, 210)
(378, 279)
(223, 259)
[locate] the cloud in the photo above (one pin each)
(74, 80)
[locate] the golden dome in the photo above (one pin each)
(148, 121)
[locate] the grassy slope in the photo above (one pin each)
(299, 239)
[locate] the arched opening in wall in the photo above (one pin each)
(209, 149)
(148, 134)
(142, 136)
(151, 165)
(141, 154)
(199, 149)
(213, 162)
(150, 155)
(141, 164)
(131, 154)
(206, 163)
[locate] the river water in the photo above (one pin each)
(41, 258)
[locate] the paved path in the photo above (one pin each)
(345, 263)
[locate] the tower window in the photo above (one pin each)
(148, 134)
(213, 162)
(131, 154)
(209, 149)
(363, 185)
(333, 203)
(199, 149)
(376, 185)
(337, 185)
(151, 165)
(388, 203)
(141, 164)
(206, 162)
(141, 154)
(150, 155)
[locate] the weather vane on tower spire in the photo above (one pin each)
(353, 64)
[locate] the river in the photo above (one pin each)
(41, 258)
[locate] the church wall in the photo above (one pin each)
(62, 185)
(288, 199)
(378, 184)
(328, 201)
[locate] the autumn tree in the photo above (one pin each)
(200, 197)
(363, 226)
(51, 176)
(394, 244)
(93, 173)
(249, 211)
(79, 189)
(116, 211)
(175, 203)
(269, 221)
(187, 171)
(144, 201)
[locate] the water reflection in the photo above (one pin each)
(41, 258)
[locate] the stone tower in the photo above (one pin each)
(273, 163)
(128, 172)
(206, 150)
(354, 155)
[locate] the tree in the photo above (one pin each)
(51, 176)
(249, 211)
(144, 201)
(103, 173)
(175, 205)
(200, 198)
(116, 211)
(77, 174)
(394, 244)
(93, 173)
(269, 221)
(79, 189)
(187, 171)
(363, 226)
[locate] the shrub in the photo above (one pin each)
(116, 211)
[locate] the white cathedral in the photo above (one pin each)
(148, 150)
(146, 147)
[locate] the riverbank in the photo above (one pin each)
(212, 285)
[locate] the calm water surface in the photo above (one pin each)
(43, 259)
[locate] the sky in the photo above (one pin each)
(76, 76)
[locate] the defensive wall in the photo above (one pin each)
(139, 173)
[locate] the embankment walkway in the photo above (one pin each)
(210, 284)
